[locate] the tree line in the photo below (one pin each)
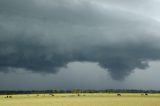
(5, 92)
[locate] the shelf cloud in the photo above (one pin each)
(45, 35)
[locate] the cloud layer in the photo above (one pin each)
(44, 35)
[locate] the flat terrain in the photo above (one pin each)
(82, 100)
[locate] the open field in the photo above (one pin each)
(100, 99)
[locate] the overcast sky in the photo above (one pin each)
(88, 44)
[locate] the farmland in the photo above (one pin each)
(86, 99)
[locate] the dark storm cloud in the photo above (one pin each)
(44, 35)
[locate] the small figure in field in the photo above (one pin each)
(146, 94)
(8, 97)
(78, 94)
(118, 94)
(51, 94)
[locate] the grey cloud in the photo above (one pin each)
(44, 35)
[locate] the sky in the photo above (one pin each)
(79, 44)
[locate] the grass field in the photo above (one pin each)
(101, 99)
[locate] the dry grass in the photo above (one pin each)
(83, 100)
